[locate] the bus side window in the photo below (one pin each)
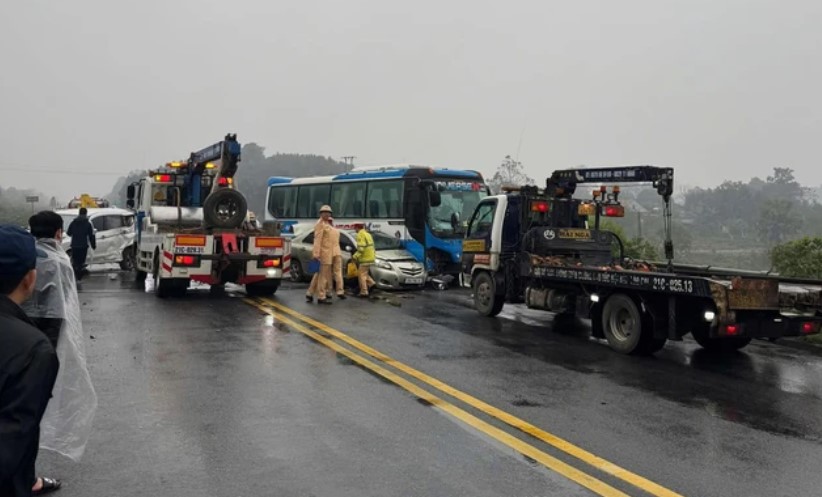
(347, 199)
(384, 199)
(311, 198)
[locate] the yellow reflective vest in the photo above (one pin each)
(365, 248)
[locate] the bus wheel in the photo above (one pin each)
(486, 299)
(702, 335)
(622, 324)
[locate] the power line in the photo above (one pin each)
(25, 169)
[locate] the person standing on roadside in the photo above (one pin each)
(365, 257)
(55, 309)
(82, 235)
(28, 365)
(336, 261)
(322, 252)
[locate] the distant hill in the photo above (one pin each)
(252, 176)
(14, 208)
(256, 168)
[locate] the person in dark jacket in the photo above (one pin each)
(82, 235)
(28, 366)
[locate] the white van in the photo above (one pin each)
(114, 232)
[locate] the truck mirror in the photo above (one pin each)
(130, 192)
(130, 203)
(434, 198)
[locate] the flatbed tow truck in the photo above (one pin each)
(544, 247)
(192, 225)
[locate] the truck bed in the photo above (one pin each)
(743, 290)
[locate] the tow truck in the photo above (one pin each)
(87, 201)
(192, 225)
(544, 248)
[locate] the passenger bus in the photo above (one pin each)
(426, 208)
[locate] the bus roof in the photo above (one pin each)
(387, 172)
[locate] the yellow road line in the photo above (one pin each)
(597, 486)
(518, 423)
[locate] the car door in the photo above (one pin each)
(348, 245)
(121, 230)
(105, 234)
(303, 250)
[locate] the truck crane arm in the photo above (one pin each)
(563, 184)
(224, 156)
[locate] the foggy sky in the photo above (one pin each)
(715, 88)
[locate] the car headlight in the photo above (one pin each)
(383, 264)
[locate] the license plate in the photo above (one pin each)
(413, 281)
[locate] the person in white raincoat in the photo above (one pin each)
(66, 424)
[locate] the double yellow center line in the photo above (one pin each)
(599, 487)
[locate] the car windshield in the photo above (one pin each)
(451, 217)
(385, 242)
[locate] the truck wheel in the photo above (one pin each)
(622, 324)
(262, 289)
(225, 208)
(140, 279)
(162, 287)
(702, 335)
(167, 287)
(486, 300)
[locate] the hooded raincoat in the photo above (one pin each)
(66, 424)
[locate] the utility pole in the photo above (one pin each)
(349, 160)
(638, 224)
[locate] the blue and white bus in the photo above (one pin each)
(427, 208)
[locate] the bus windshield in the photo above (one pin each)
(451, 217)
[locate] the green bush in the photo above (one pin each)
(799, 259)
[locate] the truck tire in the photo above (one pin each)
(702, 335)
(140, 278)
(262, 289)
(167, 287)
(626, 329)
(225, 208)
(486, 299)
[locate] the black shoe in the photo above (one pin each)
(309, 298)
(341, 296)
(324, 301)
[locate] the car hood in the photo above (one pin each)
(395, 255)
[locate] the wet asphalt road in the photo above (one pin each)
(209, 396)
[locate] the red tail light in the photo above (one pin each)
(186, 260)
(223, 181)
(162, 178)
(807, 328)
(614, 211)
(273, 262)
(539, 206)
(732, 329)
